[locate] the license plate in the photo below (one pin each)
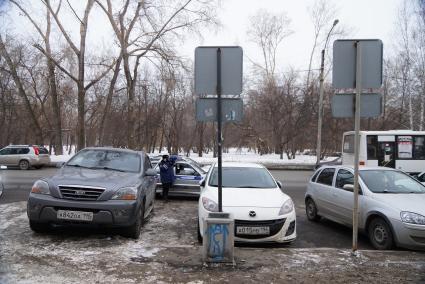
(75, 215)
(252, 230)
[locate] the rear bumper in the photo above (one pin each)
(44, 208)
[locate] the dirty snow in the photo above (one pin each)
(168, 252)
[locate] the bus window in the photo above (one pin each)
(372, 147)
(419, 147)
(348, 146)
(404, 147)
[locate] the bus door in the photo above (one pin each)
(386, 154)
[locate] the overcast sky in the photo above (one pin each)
(365, 18)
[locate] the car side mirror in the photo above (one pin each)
(150, 172)
(348, 187)
(279, 184)
(202, 183)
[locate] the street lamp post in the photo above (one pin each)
(319, 122)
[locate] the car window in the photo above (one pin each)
(243, 177)
(5, 151)
(13, 151)
(185, 169)
(326, 176)
(344, 177)
(313, 179)
(147, 164)
(22, 151)
(43, 150)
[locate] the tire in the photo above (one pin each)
(380, 234)
(199, 233)
(24, 165)
(39, 227)
(311, 210)
(134, 230)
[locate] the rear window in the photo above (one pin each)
(22, 151)
(326, 176)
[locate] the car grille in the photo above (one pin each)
(274, 225)
(80, 193)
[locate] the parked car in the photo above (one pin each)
(188, 175)
(254, 199)
(97, 186)
(420, 177)
(24, 156)
(391, 204)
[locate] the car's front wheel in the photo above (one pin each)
(380, 234)
(134, 230)
(38, 227)
(311, 210)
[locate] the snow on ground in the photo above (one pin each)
(233, 155)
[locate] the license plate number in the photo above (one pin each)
(75, 215)
(253, 230)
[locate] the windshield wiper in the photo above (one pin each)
(78, 166)
(108, 168)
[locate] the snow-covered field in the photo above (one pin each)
(233, 155)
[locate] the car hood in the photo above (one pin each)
(250, 197)
(111, 180)
(412, 202)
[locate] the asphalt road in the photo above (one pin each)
(17, 185)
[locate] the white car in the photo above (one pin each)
(254, 199)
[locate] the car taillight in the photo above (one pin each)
(37, 152)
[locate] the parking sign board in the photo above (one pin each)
(206, 109)
(206, 70)
(344, 65)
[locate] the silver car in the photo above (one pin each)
(98, 186)
(24, 156)
(391, 204)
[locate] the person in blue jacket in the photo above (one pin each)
(166, 172)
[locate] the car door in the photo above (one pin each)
(149, 182)
(7, 157)
(187, 178)
(323, 186)
(343, 199)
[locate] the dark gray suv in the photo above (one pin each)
(97, 186)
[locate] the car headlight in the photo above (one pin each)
(209, 205)
(287, 207)
(40, 187)
(126, 193)
(412, 218)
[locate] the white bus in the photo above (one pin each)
(400, 149)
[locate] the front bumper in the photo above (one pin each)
(409, 235)
(44, 209)
(282, 228)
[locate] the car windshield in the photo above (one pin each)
(383, 181)
(106, 159)
(243, 177)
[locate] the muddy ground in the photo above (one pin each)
(168, 252)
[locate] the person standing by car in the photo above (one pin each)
(166, 172)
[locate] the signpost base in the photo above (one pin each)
(218, 241)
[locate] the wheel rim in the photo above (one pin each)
(23, 165)
(310, 209)
(380, 234)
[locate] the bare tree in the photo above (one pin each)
(80, 52)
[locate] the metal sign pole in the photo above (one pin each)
(357, 143)
(219, 152)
